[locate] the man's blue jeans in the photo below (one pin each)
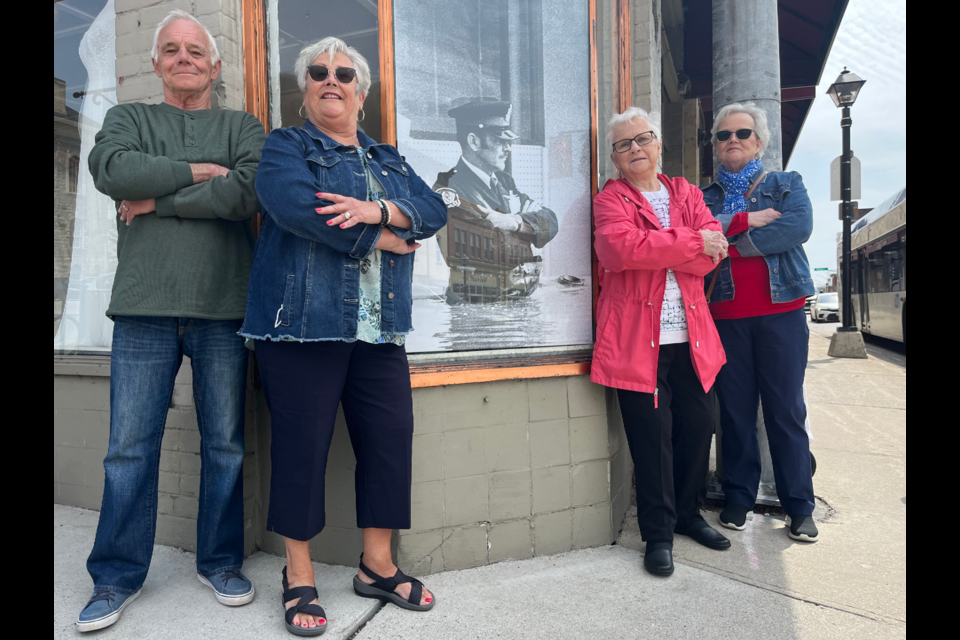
(147, 353)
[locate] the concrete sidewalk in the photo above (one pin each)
(852, 584)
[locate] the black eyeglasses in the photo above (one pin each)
(642, 140)
(742, 134)
(319, 73)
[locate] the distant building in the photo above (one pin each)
(66, 170)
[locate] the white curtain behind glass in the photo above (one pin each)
(94, 260)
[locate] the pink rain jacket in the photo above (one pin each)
(634, 252)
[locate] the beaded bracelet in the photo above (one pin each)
(385, 214)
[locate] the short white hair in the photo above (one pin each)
(759, 122)
(332, 46)
(630, 114)
(175, 16)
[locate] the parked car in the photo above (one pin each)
(808, 302)
(825, 308)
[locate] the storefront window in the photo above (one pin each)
(84, 220)
(493, 111)
(295, 24)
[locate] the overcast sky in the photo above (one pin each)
(872, 42)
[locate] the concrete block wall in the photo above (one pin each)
(512, 470)
(81, 431)
(136, 22)
(502, 470)
(81, 424)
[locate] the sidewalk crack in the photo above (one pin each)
(842, 608)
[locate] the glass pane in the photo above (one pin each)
(497, 119)
(295, 24)
(84, 220)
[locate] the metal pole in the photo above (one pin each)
(846, 196)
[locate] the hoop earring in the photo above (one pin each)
(362, 116)
(300, 112)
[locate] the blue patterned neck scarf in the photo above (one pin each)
(736, 184)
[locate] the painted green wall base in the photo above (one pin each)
(501, 470)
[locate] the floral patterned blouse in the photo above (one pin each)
(368, 325)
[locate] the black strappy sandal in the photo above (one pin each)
(383, 589)
(306, 595)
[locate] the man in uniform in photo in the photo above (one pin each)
(495, 231)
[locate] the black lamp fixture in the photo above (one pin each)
(846, 88)
(847, 342)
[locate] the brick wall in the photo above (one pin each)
(81, 425)
(672, 159)
(136, 22)
(645, 48)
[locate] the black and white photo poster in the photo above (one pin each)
(493, 110)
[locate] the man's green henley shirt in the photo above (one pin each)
(191, 258)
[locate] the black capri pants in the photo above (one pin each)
(304, 382)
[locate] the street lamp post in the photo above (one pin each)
(847, 342)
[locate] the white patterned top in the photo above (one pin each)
(673, 316)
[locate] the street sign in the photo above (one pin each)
(835, 179)
(822, 269)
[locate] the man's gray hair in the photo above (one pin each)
(175, 16)
(652, 118)
(332, 46)
(759, 122)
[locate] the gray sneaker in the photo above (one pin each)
(103, 609)
(231, 587)
(803, 528)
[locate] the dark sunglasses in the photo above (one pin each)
(742, 134)
(642, 140)
(319, 73)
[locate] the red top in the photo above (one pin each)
(751, 277)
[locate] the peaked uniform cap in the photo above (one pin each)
(485, 115)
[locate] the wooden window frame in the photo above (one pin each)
(442, 372)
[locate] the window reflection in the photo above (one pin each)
(84, 220)
(295, 24)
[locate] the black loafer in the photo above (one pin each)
(708, 537)
(658, 558)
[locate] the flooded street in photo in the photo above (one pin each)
(554, 315)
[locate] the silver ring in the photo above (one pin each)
(346, 216)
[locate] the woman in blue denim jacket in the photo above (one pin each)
(757, 305)
(329, 307)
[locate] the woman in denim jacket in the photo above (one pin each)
(329, 307)
(757, 305)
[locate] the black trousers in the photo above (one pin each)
(304, 383)
(669, 437)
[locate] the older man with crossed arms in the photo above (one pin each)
(182, 175)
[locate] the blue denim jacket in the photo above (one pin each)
(779, 242)
(305, 282)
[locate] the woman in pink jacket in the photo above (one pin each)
(656, 342)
